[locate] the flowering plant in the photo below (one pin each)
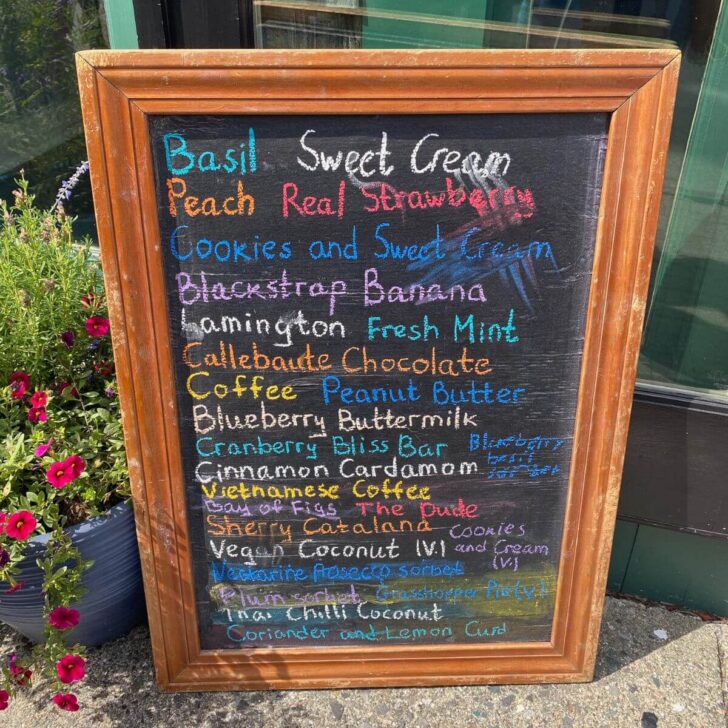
(61, 448)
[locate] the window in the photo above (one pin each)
(40, 115)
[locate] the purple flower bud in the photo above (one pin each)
(68, 337)
(110, 392)
(4, 558)
(66, 189)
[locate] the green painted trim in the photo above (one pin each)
(679, 568)
(625, 534)
(121, 24)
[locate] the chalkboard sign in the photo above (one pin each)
(376, 355)
(377, 348)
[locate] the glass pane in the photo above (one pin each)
(40, 116)
(686, 337)
(466, 24)
(685, 341)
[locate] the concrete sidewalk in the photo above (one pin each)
(655, 668)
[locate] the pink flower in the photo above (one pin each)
(37, 414)
(68, 338)
(16, 587)
(66, 701)
(3, 518)
(39, 398)
(104, 368)
(71, 668)
(77, 465)
(43, 448)
(64, 617)
(59, 475)
(97, 326)
(20, 525)
(4, 699)
(20, 674)
(19, 384)
(72, 391)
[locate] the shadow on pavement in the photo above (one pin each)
(120, 689)
(632, 632)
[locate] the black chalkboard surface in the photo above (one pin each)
(377, 327)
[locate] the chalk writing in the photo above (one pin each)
(377, 328)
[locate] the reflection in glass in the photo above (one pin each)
(686, 340)
(686, 337)
(40, 117)
(466, 24)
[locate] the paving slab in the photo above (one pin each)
(655, 669)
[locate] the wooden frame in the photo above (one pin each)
(119, 90)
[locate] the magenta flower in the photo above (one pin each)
(68, 338)
(59, 475)
(66, 701)
(97, 326)
(20, 674)
(37, 414)
(20, 525)
(43, 448)
(19, 384)
(39, 398)
(104, 368)
(15, 587)
(22, 677)
(77, 465)
(64, 617)
(71, 668)
(3, 518)
(66, 389)
(4, 699)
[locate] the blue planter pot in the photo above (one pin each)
(114, 599)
